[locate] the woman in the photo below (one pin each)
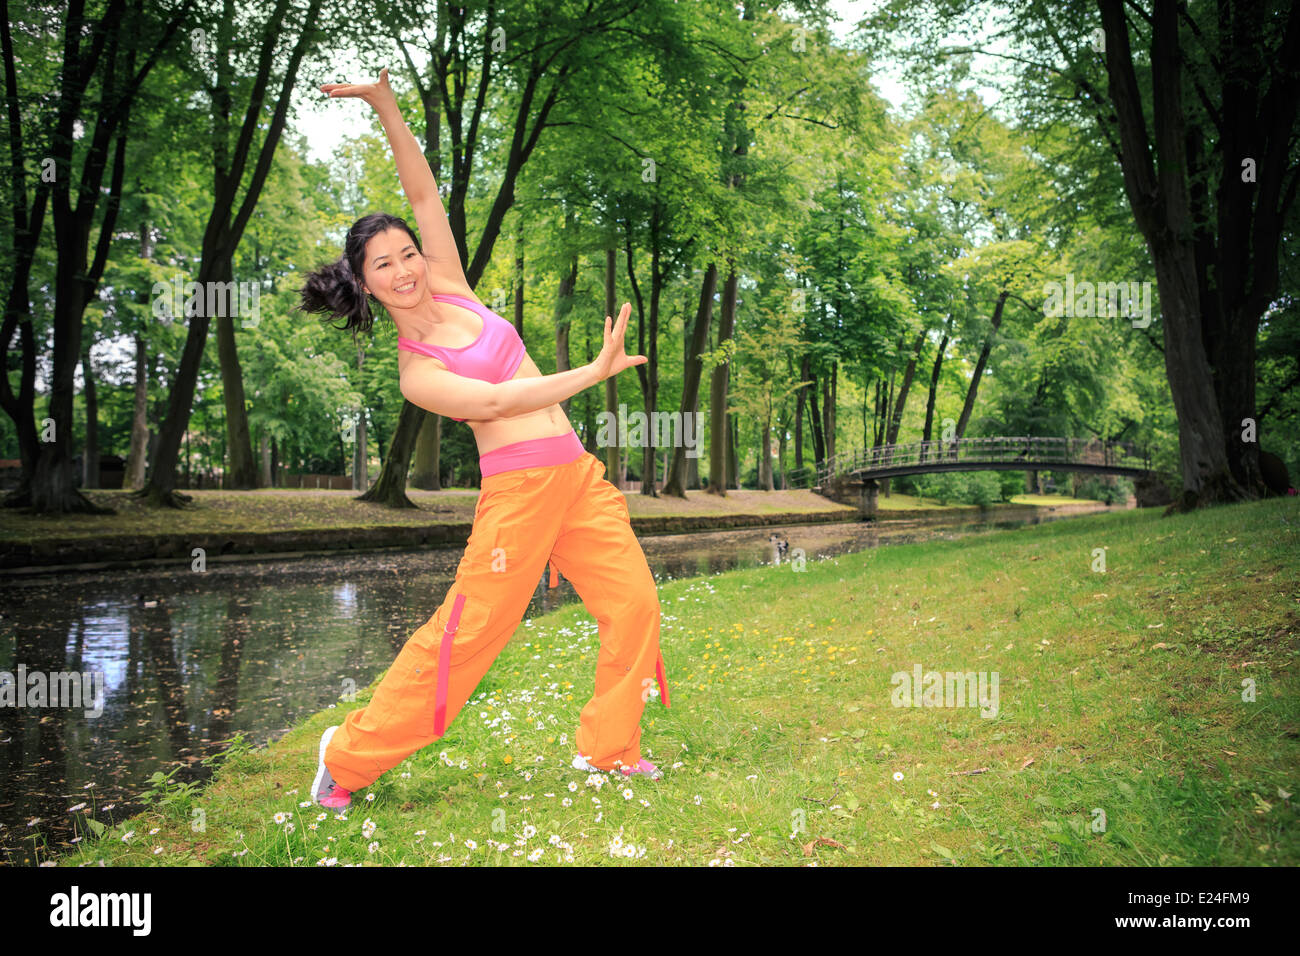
(543, 498)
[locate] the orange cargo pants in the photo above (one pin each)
(567, 515)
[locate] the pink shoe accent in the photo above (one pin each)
(338, 798)
(662, 678)
(444, 667)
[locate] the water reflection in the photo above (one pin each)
(190, 658)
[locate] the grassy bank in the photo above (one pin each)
(897, 502)
(273, 510)
(1120, 735)
(277, 510)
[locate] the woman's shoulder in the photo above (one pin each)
(456, 289)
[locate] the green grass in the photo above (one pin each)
(1120, 695)
(1050, 501)
(901, 502)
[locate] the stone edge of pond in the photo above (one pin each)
(134, 550)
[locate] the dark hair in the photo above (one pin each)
(334, 290)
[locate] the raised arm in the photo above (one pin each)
(456, 396)
(416, 177)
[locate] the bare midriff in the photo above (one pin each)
(493, 433)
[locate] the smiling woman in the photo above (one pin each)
(543, 499)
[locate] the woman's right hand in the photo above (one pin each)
(376, 94)
(612, 359)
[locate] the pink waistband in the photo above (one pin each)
(534, 453)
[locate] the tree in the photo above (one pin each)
(117, 51)
(226, 223)
(1204, 141)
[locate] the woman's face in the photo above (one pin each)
(394, 271)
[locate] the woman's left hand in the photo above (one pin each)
(376, 94)
(612, 359)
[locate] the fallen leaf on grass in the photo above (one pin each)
(808, 847)
(1026, 763)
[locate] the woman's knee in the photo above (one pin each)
(643, 601)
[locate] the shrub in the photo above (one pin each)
(1010, 484)
(1098, 489)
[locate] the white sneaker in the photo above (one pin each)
(580, 763)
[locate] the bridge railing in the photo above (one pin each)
(1034, 452)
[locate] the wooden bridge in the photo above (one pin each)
(863, 467)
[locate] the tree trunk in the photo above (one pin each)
(390, 486)
(676, 482)
(980, 364)
(733, 440)
(563, 317)
(613, 451)
(361, 456)
(425, 476)
(138, 455)
(693, 482)
(90, 461)
(589, 401)
(800, 398)
(896, 415)
(648, 373)
(242, 473)
(264, 456)
(719, 432)
(1161, 204)
(519, 281)
(829, 405)
(765, 458)
(875, 415)
(815, 418)
(934, 385)
(782, 427)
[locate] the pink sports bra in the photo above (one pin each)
(493, 357)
